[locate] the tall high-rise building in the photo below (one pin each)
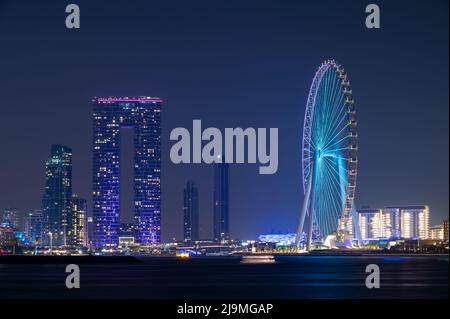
(143, 114)
(33, 226)
(57, 196)
(221, 202)
(78, 222)
(392, 222)
(190, 212)
(90, 231)
(11, 218)
(371, 223)
(379, 223)
(410, 222)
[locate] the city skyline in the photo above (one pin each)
(395, 222)
(395, 125)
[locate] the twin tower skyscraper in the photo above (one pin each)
(143, 114)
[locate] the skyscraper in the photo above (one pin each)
(33, 226)
(89, 231)
(143, 114)
(221, 202)
(371, 223)
(78, 222)
(190, 212)
(57, 196)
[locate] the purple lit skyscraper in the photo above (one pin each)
(221, 202)
(143, 114)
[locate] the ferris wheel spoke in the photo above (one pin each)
(337, 142)
(311, 142)
(340, 117)
(335, 150)
(329, 198)
(335, 126)
(338, 184)
(342, 158)
(331, 208)
(342, 177)
(332, 199)
(335, 109)
(333, 104)
(323, 208)
(333, 178)
(327, 92)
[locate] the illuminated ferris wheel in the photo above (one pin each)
(329, 158)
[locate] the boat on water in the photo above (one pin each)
(258, 259)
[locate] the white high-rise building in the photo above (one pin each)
(409, 222)
(371, 223)
(437, 232)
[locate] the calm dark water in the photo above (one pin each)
(290, 277)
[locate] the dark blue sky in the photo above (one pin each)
(229, 63)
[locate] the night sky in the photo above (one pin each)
(229, 63)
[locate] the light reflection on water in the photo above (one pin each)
(226, 277)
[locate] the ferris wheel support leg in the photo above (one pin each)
(310, 223)
(310, 229)
(303, 212)
(312, 207)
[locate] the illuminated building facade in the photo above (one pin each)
(371, 223)
(143, 114)
(128, 230)
(57, 196)
(287, 239)
(410, 222)
(221, 202)
(33, 226)
(78, 222)
(395, 222)
(391, 221)
(437, 232)
(190, 213)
